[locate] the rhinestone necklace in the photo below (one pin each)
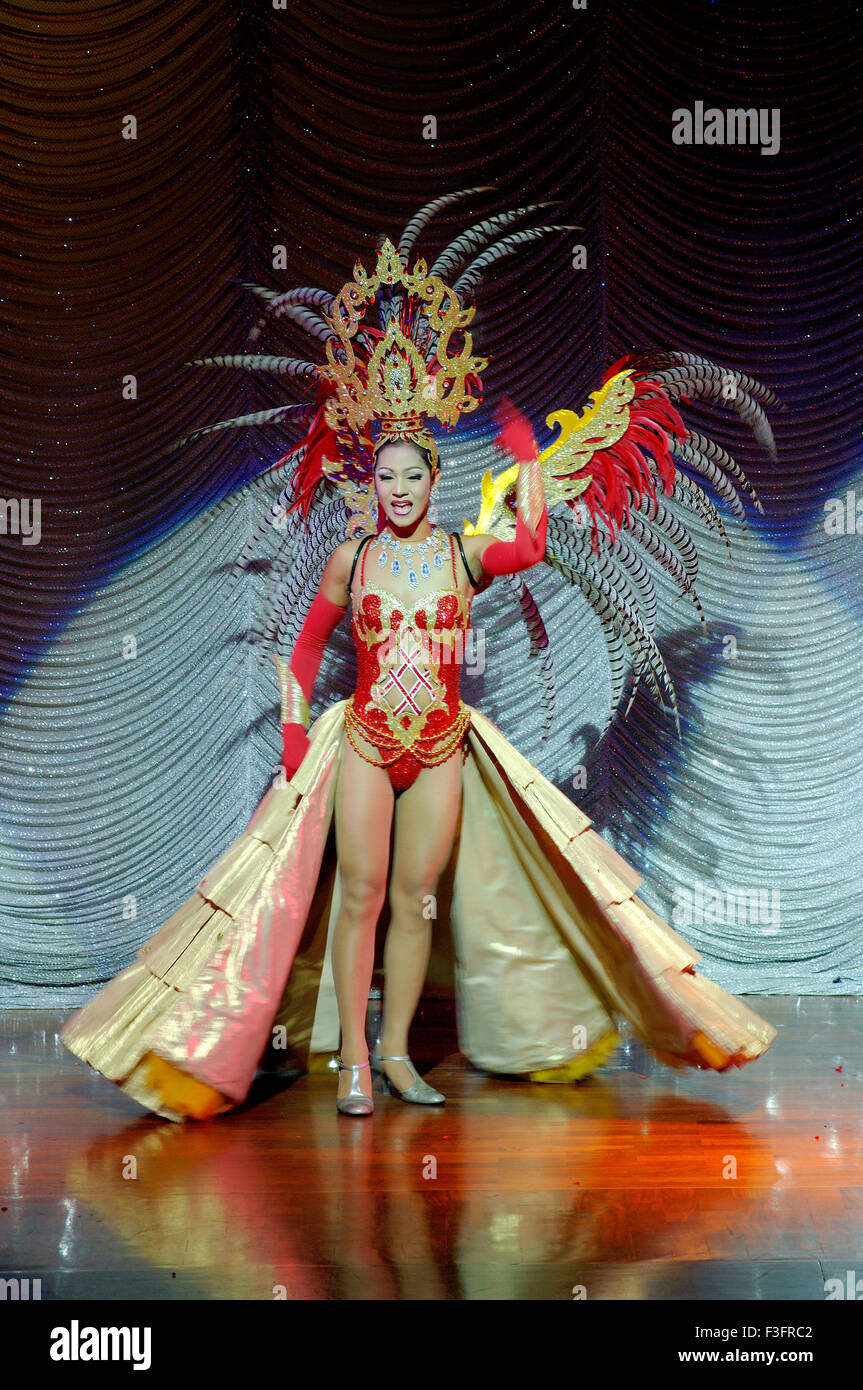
(391, 543)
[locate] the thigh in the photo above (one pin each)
(363, 815)
(425, 820)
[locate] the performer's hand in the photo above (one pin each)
(515, 433)
(516, 438)
(295, 744)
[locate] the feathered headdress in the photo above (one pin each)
(379, 386)
(378, 383)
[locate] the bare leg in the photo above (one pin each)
(363, 814)
(425, 819)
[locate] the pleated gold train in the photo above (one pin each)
(547, 944)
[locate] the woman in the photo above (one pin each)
(419, 788)
(546, 942)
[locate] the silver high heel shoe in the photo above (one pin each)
(356, 1102)
(420, 1092)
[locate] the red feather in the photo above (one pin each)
(620, 473)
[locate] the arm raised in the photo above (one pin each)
(531, 519)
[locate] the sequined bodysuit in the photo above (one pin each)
(407, 702)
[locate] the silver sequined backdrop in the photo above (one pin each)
(128, 774)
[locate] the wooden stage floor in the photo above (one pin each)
(640, 1182)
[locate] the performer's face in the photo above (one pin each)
(402, 483)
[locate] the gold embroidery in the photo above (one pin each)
(392, 603)
(409, 685)
(391, 749)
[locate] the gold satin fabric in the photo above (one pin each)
(538, 931)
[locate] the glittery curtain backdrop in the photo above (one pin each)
(153, 157)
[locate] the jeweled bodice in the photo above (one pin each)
(410, 652)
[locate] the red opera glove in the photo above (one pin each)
(508, 557)
(297, 679)
(321, 622)
(516, 438)
(295, 744)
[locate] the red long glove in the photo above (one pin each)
(516, 438)
(295, 743)
(321, 622)
(508, 557)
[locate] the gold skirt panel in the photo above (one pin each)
(538, 932)
(618, 952)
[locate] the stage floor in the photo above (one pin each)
(640, 1182)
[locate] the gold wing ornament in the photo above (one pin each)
(606, 476)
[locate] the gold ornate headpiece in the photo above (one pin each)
(419, 367)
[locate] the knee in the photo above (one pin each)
(362, 896)
(413, 899)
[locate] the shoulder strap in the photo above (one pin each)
(474, 582)
(363, 542)
(452, 560)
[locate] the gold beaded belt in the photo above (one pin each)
(391, 748)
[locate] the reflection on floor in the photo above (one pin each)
(640, 1182)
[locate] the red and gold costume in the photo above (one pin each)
(546, 940)
(407, 702)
